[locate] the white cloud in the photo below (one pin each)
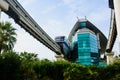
(55, 28)
(68, 2)
(75, 5)
(99, 15)
(96, 12)
(26, 3)
(50, 8)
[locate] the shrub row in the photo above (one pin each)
(26, 66)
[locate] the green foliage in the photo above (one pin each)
(117, 77)
(59, 69)
(117, 60)
(7, 36)
(27, 72)
(9, 66)
(98, 72)
(51, 70)
(112, 70)
(43, 69)
(25, 56)
(26, 66)
(77, 72)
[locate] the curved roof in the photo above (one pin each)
(102, 39)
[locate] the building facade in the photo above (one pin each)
(87, 43)
(87, 49)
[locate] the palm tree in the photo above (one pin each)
(7, 36)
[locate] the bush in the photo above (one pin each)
(77, 72)
(117, 77)
(9, 66)
(27, 66)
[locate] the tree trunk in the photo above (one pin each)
(0, 49)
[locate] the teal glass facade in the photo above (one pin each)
(83, 24)
(87, 49)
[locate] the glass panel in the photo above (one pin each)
(87, 43)
(82, 24)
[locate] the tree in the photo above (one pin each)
(25, 56)
(77, 72)
(9, 66)
(27, 62)
(7, 36)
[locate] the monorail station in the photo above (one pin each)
(90, 42)
(88, 45)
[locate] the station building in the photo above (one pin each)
(90, 43)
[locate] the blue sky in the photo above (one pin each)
(57, 17)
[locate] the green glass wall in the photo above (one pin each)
(87, 49)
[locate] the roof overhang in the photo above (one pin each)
(89, 25)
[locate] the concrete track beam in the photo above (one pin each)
(117, 17)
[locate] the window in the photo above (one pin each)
(83, 24)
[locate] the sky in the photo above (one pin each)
(57, 18)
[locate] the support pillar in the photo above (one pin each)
(117, 18)
(110, 58)
(0, 14)
(4, 6)
(59, 57)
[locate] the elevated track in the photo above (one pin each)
(21, 17)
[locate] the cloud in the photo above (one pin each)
(99, 15)
(96, 11)
(68, 2)
(49, 8)
(75, 5)
(26, 3)
(55, 28)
